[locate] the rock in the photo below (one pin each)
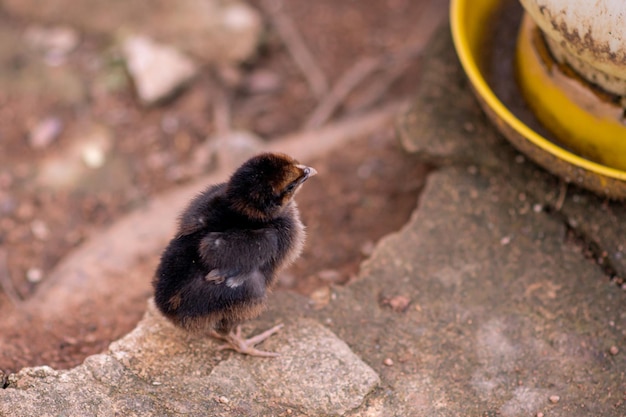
(320, 297)
(45, 132)
(316, 373)
(160, 370)
(158, 71)
(512, 325)
(436, 129)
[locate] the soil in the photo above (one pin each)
(365, 192)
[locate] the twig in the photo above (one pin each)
(308, 143)
(348, 82)
(396, 62)
(377, 88)
(301, 55)
(561, 198)
(5, 281)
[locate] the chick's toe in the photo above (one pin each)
(235, 341)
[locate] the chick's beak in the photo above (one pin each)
(308, 171)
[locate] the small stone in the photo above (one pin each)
(540, 414)
(388, 362)
(45, 132)
(156, 383)
(34, 275)
(320, 298)
(469, 127)
(554, 399)
(505, 240)
(614, 350)
(330, 275)
(40, 229)
(223, 400)
(157, 70)
(399, 303)
(537, 208)
(93, 156)
(238, 17)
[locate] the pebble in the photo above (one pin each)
(320, 298)
(614, 350)
(157, 70)
(330, 275)
(34, 275)
(540, 414)
(469, 127)
(398, 303)
(388, 362)
(223, 400)
(40, 229)
(239, 17)
(93, 156)
(554, 399)
(45, 132)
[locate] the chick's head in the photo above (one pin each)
(266, 184)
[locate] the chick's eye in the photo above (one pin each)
(290, 187)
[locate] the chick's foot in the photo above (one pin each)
(236, 342)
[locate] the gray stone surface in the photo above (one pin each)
(159, 370)
(503, 313)
(447, 126)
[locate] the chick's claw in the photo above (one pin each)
(236, 342)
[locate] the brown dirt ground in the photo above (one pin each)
(366, 191)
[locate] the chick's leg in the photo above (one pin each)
(236, 342)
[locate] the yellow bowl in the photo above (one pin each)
(469, 18)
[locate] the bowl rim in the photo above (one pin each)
(459, 28)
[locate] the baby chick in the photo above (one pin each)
(231, 241)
